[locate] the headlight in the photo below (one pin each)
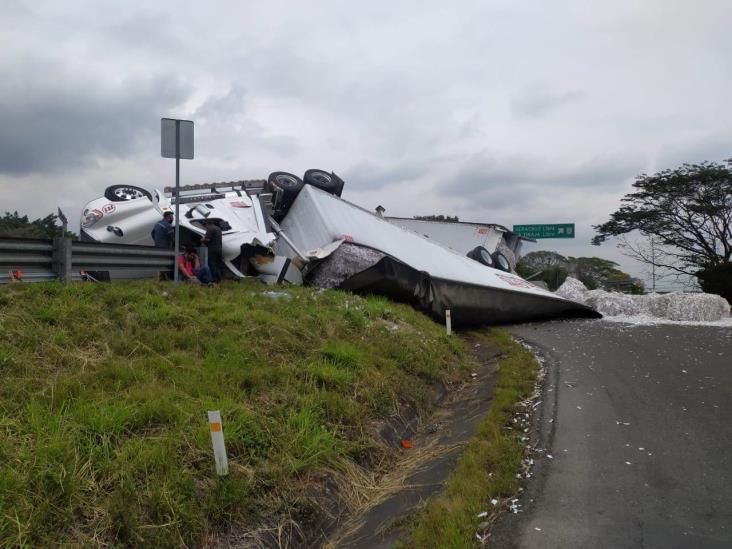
(91, 217)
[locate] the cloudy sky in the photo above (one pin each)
(495, 111)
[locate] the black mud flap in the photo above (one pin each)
(469, 304)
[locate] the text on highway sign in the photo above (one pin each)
(556, 230)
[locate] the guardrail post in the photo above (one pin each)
(62, 258)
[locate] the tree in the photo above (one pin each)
(440, 217)
(551, 266)
(594, 272)
(687, 212)
(541, 260)
(17, 226)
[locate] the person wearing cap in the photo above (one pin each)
(212, 240)
(163, 233)
(190, 267)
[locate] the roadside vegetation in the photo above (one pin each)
(594, 272)
(488, 467)
(103, 431)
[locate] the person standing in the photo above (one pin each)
(212, 240)
(163, 233)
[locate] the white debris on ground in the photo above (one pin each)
(573, 290)
(676, 307)
(521, 423)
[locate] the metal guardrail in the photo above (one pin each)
(63, 259)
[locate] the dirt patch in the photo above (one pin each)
(436, 444)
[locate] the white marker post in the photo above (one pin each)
(217, 438)
(448, 322)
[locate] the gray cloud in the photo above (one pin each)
(47, 126)
(712, 148)
(367, 176)
(540, 102)
(496, 180)
(226, 129)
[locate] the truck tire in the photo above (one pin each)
(481, 255)
(501, 262)
(289, 186)
(123, 193)
(328, 182)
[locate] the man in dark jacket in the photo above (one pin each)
(212, 240)
(163, 233)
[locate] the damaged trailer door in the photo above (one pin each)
(378, 257)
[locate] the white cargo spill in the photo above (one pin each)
(317, 218)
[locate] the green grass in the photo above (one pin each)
(488, 467)
(103, 431)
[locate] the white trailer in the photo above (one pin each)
(465, 238)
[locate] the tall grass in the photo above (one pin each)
(104, 391)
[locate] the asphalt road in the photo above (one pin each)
(638, 421)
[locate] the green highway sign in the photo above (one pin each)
(557, 230)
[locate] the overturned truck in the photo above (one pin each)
(292, 230)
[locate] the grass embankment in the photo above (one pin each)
(103, 430)
(491, 460)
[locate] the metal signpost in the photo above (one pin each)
(176, 138)
(557, 230)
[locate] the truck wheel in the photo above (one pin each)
(328, 182)
(501, 262)
(481, 255)
(123, 193)
(289, 186)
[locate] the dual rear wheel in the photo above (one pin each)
(288, 186)
(496, 259)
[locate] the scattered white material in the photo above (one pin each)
(494, 501)
(346, 261)
(650, 309)
(572, 289)
(483, 514)
(537, 528)
(277, 295)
